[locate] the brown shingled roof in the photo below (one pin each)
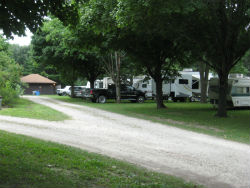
(36, 78)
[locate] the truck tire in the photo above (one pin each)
(140, 99)
(64, 94)
(102, 99)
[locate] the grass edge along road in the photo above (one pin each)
(190, 116)
(29, 162)
(27, 109)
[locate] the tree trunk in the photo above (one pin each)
(223, 90)
(159, 98)
(117, 79)
(204, 72)
(131, 81)
(92, 84)
(72, 90)
(118, 91)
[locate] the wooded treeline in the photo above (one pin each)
(154, 37)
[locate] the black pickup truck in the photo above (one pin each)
(127, 93)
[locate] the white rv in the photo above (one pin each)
(103, 84)
(238, 93)
(186, 86)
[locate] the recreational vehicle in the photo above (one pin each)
(103, 84)
(186, 86)
(238, 91)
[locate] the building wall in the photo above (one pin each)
(45, 89)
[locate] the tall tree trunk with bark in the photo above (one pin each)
(118, 75)
(72, 90)
(223, 91)
(159, 99)
(92, 83)
(204, 72)
(157, 76)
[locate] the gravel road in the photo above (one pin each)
(213, 162)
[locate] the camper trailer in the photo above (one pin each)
(103, 84)
(148, 86)
(238, 91)
(186, 86)
(178, 89)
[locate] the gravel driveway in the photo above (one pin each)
(213, 162)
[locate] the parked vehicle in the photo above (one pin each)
(127, 93)
(238, 91)
(64, 91)
(77, 91)
(186, 86)
(178, 89)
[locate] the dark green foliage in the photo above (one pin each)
(16, 15)
(221, 31)
(10, 72)
(151, 31)
(56, 46)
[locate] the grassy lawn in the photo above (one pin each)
(31, 163)
(192, 116)
(28, 109)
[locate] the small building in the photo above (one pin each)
(39, 83)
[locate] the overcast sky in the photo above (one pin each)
(22, 41)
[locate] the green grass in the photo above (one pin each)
(192, 116)
(28, 109)
(31, 163)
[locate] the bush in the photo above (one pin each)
(10, 73)
(9, 95)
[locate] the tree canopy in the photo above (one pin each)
(54, 44)
(16, 15)
(221, 30)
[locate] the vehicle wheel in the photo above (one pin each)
(93, 100)
(102, 99)
(191, 99)
(140, 99)
(64, 94)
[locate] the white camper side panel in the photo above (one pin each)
(166, 89)
(148, 87)
(107, 81)
(182, 86)
(241, 92)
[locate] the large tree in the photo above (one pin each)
(152, 30)
(54, 45)
(97, 29)
(221, 29)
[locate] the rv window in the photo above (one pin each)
(144, 86)
(240, 91)
(195, 84)
(183, 81)
(101, 85)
